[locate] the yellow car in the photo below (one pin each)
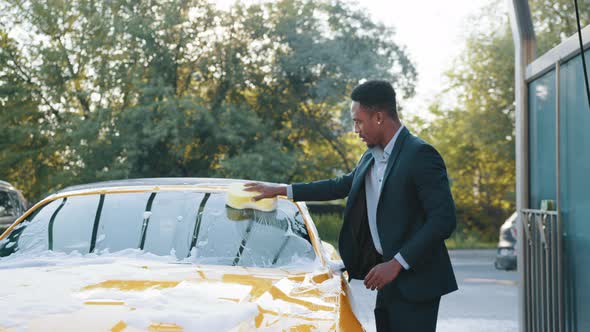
(168, 255)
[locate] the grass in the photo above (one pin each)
(465, 238)
(329, 224)
(471, 241)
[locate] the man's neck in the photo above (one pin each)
(390, 131)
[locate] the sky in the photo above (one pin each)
(433, 32)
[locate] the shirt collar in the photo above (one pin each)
(383, 154)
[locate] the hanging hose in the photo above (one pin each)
(582, 52)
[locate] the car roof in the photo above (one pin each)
(143, 182)
(6, 186)
(512, 218)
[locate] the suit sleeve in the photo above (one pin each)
(436, 201)
(325, 190)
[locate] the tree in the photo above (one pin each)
(476, 134)
(308, 67)
(555, 21)
(29, 155)
(125, 89)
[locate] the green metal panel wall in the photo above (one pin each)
(574, 160)
(575, 192)
(542, 140)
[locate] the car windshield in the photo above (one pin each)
(197, 226)
(10, 206)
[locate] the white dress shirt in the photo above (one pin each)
(373, 185)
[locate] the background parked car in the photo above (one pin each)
(12, 204)
(506, 255)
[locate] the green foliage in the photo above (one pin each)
(97, 90)
(476, 135)
(328, 226)
(476, 138)
(472, 240)
(555, 21)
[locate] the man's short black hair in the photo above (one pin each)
(376, 94)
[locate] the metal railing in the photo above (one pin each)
(543, 271)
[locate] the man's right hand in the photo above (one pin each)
(266, 190)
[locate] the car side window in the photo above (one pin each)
(19, 208)
(5, 208)
(10, 205)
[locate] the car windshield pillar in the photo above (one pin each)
(146, 220)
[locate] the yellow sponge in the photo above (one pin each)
(239, 198)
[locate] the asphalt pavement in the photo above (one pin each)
(486, 300)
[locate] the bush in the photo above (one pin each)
(466, 238)
(328, 226)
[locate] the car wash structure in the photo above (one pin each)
(553, 178)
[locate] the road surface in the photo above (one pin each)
(486, 300)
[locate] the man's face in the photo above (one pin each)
(366, 124)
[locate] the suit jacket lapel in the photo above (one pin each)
(359, 177)
(395, 152)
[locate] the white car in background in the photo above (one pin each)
(506, 254)
(12, 204)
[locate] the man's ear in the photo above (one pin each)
(380, 117)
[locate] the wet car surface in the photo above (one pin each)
(168, 254)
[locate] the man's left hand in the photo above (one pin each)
(382, 274)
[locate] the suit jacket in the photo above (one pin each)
(415, 214)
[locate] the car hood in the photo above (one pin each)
(115, 293)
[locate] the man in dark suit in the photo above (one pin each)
(398, 213)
